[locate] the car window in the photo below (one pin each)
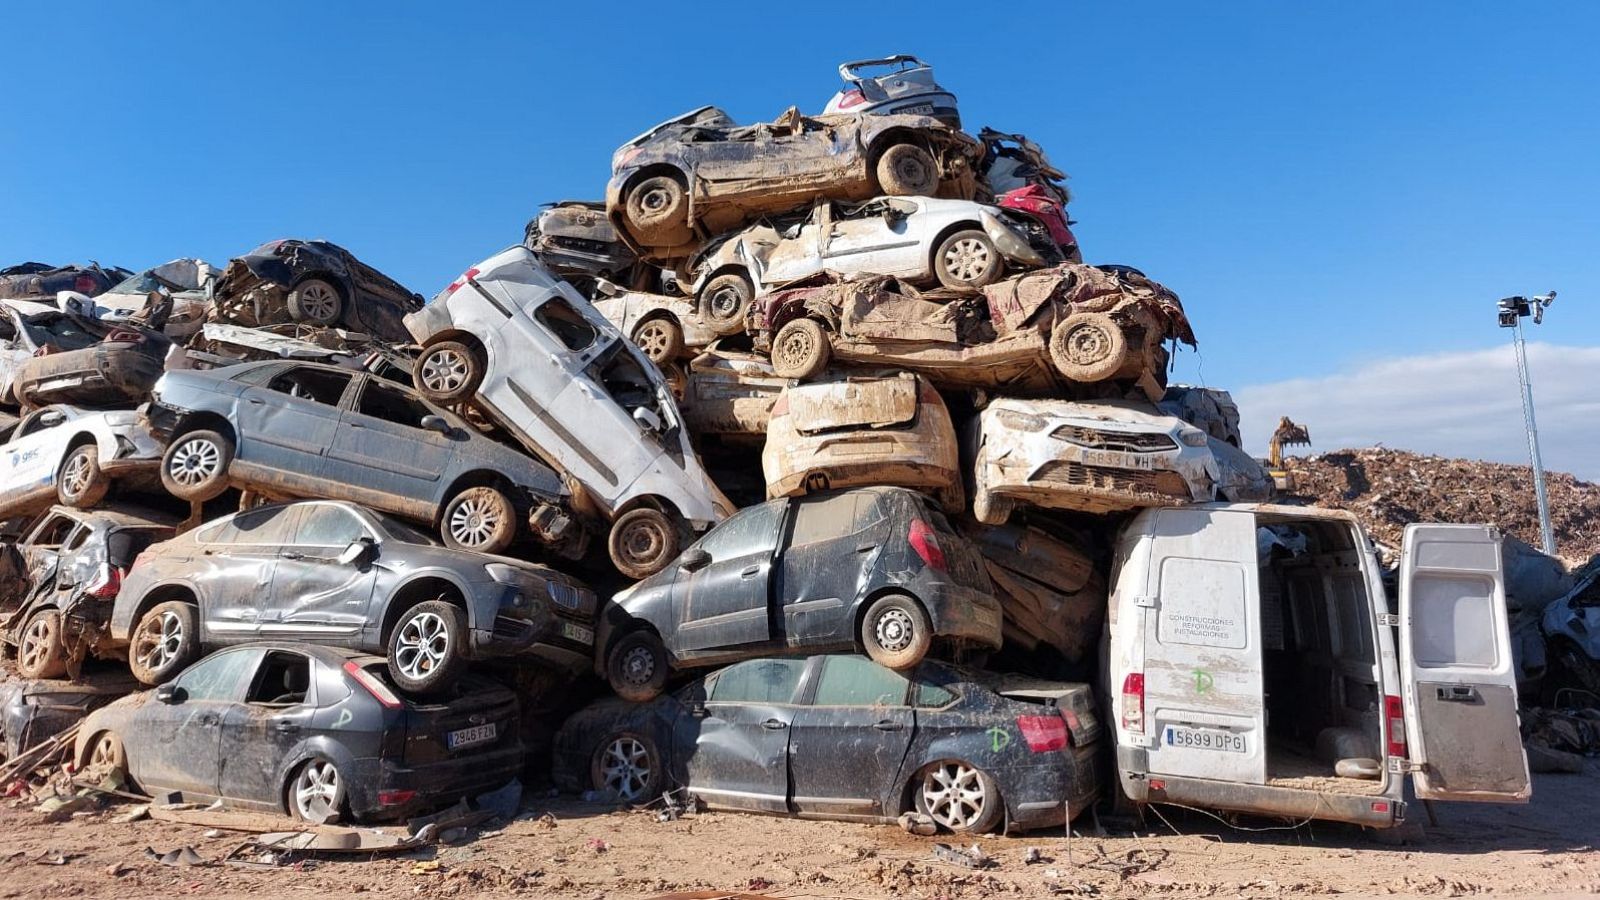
(826, 518)
(390, 405)
(219, 676)
(282, 679)
(758, 681)
(324, 525)
(268, 525)
(403, 532)
(52, 533)
(748, 531)
(39, 421)
(858, 681)
(8, 331)
(316, 385)
(932, 696)
(62, 332)
(125, 544)
(567, 324)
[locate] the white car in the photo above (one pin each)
(1102, 456)
(956, 243)
(665, 328)
(62, 453)
(188, 282)
(538, 359)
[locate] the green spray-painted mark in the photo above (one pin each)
(999, 738)
(1202, 681)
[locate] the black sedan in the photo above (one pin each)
(842, 737)
(313, 283)
(39, 281)
(312, 731)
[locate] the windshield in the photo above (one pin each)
(61, 331)
(403, 532)
(144, 283)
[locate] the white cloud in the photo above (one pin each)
(1452, 404)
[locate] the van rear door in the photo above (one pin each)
(1455, 662)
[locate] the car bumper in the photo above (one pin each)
(563, 643)
(962, 613)
(430, 785)
(161, 421)
(1043, 796)
(92, 375)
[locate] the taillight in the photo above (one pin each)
(926, 542)
(395, 798)
(106, 582)
(465, 277)
(84, 284)
(1394, 717)
(124, 336)
(852, 97)
(1133, 701)
(376, 688)
(1043, 733)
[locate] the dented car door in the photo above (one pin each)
(847, 745)
(289, 424)
(315, 596)
(742, 742)
(384, 455)
(724, 602)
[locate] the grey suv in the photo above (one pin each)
(295, 429)
(327, 572)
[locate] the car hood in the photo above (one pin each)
(1100, 414)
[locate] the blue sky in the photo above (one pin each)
(1329, 187)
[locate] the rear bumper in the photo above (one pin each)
(1041, 796)
(435, 784)
(90, 375)
(963, 613)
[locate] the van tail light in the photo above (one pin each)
(781, 408)
(852, 97)
(106, 582)
(1043, 733)
(376, 688)
(926, 542)
(1394, 720)
(1133, 702)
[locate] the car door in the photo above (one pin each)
(819, 572)
(258, 732)
(875, 237)
(800, 255)
(1460, 700)
(30, 457)
(848, 743)
(741, 751)
(238, 559)
(177, 745)
(315, 597)
(382, 454)
(289, 423)
(724, 602)
(57, 534)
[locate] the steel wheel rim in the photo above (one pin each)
(160, 640)
(194, 462)
(75, 480)
(643, 541)
(724, 303)
(967, 259)
(638, 665)
(422, 646)
(444, 371)
(655, 201)
(35, 643)
(797, 349)
(652, 339)
(894, 630)
(1087, 344)
(910, 169)
(316, 791)
(625, 768)
(319, 300)
(474, 521)
(949, 791)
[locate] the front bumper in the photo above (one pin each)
(567, 643)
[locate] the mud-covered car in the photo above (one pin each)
(700, 175)
(48, 355)
(907, 88)
(876, 569)
(293, 429)
(336, 573)
(71, 455)
(183, 285)
(1211, 410)
(665, 328)
(1020, 177)
(730, 394)
(315, 732)
(574, 239)
(844, 737)
(859, 430)
(39, 281)
(1074, 330)
(32, 712)
(314, 283)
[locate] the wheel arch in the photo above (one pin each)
(421, 588)
(944, 235)
(329, 749)
(729, 268)
(203, 420)
(477, 478)
(652, 170)
(899, 135)
(340, 283)
(163, 593)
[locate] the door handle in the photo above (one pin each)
(774, 724)
(354, 425)
(888, 725)
(208, 720)
(750, 571)
(866, 548)
(253, 401)
(286, 727)
(290, 554)
(1458, 693)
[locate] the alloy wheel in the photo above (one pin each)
(36, 643)
(652, 338)
(194, 462)
(954, 795)
(159, 641)
(75, 480)
(625, 768)
(423, 644)
(967, 259)
(320, 301)
(473, 522)
(316, 791)
(444, 371)
(894, 630)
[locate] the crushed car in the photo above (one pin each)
(841, 736)
(48, 355)
(665, 328)
(32, 712)
(184, 285)
(574, 239)
(1211, 410)
(878, 569)
(1571, 625)
(72, 456)
(39, 281)
(730, 394)
(1017, 174)
(313, 283)
(906, 89)
(329, 572)
(318, 733)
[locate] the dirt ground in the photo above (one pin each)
(585, 851)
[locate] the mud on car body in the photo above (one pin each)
(665, 328)
(69, 455)
(315, 283)
(575, 240)
(843, 737)
(316, 732)
(335, 573)
(38, 281)
(48, 355)
(879, 569)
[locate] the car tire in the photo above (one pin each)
(449, 372)
(906, 170)
(801, 350)
(315, 792)
(481, 519)
(1088, 347)
(896, 631)
(637, 666)
(657, 211)
(195, 466)
(316, 301)
(627, 765)
(661, 339)
(967, 260)
(79, 482)
(724, 301)
(107, 758)
(164, 642)
(40, 650)
(990, 509)
(959, 797)
(427, 647)
(643, 542)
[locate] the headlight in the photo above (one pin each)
(1193, 437)
(505, 574)
(1020, 420)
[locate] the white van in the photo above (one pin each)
(1253, 666)
(547, 367)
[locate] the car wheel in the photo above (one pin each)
(448, 372)
(80, 483)
(643, 541)
(959, 797)
(315, 302)
(906, 170)
(427, 648)
(165, 642)
(628, 766)
(316, 792)
(1088, 347)
(896, 632)
(660, 339)
(990, 509)
(480, 519)
(195, 467)
(107, 759)
(40, 653)
(966, 259)
(637, 666)
(801, 350)
(657, 210)
(724, 301)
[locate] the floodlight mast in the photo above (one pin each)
(1512, 310)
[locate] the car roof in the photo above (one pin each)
(123, 516)
(333, 656)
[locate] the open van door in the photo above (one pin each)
(1455, 663)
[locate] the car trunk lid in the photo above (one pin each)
(476, 717)
(853, 403)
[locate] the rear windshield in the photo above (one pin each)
(876, 403)
(124, 544)
(61, 332)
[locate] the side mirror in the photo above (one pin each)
(359, 552)
(694, 559)
(606, 287)
(648, 418)
(169, 694)
(436, 423)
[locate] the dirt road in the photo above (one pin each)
(1546, 848)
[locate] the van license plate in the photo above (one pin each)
(1118, 460)
(577, 633)
(466, 737)
(1204, 739)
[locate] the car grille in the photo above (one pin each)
(1131, 441)
(1122, 481)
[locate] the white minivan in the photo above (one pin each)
(539, 360)
(1254, 666)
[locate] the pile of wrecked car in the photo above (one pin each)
(815, 442)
